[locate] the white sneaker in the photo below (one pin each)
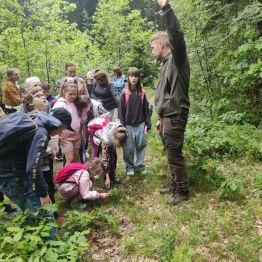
(130, 173)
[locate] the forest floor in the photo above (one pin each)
(144, 227)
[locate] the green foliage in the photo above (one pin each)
(231, 189)
(224, 39)
(258, 183)
(165, 248)
(26, 238)
(80, 221)
(120, 38)
(183, 253)
(37, 38)
(218, 134)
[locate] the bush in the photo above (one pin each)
(22, 240)
(215, 137)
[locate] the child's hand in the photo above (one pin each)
(145, 130)
(45, 200)
(104, 195)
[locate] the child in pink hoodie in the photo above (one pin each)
(79, 186)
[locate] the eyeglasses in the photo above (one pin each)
(39, 95)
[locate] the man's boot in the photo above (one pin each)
(178, 197)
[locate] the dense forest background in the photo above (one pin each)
(222, 221)
(223, 37)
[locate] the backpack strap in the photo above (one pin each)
(142, 95)
(127, 94)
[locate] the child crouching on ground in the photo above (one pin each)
(80, 184)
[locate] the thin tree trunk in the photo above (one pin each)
(26, 52)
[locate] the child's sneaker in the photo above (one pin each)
(130, 173)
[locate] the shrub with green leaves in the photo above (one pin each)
(214, 137)
(26, 238)
(231, 189)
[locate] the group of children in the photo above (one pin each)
(82, 121)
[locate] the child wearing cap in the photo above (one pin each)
(21, 175)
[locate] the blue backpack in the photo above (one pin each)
(16, 129)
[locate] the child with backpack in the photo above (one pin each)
(70, 141)
(23, 140)
(134, 115)
(107, 136)
(76, 181)
(94, 110)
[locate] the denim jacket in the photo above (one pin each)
(25, 162)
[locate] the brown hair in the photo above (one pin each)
(133, 71)
(82, 102)
(94, 164)
(45, 86)
(68, 64)
(67, 85)
(27, 95)
(102, 76)
(119, 136)
(161, 36)
(118, 71)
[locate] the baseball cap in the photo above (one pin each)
(63, 116)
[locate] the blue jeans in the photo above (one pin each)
(136, 143)
(21, 193)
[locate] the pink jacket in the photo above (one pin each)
(78, 186)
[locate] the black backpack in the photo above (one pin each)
(15, 130)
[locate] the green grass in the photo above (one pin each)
(208, 227)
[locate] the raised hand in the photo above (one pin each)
(162, 3)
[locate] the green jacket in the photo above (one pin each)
(172, 89)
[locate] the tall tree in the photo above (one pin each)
(120, 38)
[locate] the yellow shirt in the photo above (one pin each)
(10, 94)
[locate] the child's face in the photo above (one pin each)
(133, 81)
(58, 91)
(39, 101)
(46, 92)
(71, 94)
